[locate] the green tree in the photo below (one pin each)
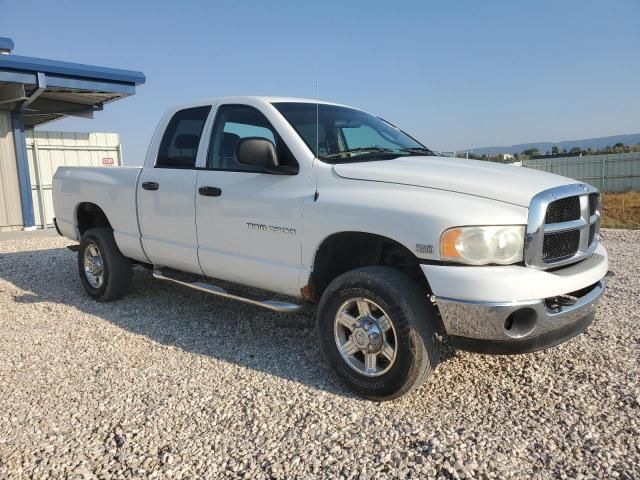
(529, 152)
(555, 150)
(575, 150)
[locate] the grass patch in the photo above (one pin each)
(621, 210)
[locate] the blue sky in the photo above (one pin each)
(455, 74)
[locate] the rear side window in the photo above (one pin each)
(179, 146)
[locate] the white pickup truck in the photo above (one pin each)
(401, 249)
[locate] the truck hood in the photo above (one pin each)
(505, 183)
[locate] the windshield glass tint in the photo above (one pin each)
(346, 134)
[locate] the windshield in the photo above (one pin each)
(346, 134)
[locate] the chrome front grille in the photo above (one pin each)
(560, 244)
(563, 210)
(563, 226)
(594, 202)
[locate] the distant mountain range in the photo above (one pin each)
(543, 147)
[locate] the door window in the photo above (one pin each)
(179, 145)
(233, 123)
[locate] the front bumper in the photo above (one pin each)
(516, 327)
(504, 309)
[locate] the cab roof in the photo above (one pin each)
(249, 99)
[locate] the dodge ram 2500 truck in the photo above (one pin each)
(401, 249)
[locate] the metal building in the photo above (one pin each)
(34, 91)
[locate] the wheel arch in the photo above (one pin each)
(89, 215)
(343, 251)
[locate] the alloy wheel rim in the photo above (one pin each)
(93, 266)
(365, 337)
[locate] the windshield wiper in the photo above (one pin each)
(356, 150)
(420, 150)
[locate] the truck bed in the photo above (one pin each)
(113, 189)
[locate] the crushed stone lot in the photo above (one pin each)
(172, 383)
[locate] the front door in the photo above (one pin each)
(249, 222)
(166, 191)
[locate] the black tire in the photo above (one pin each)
(116, 267)
(414, 322)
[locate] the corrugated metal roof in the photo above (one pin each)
(78, 70)
(51, 89)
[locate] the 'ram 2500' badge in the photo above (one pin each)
(271, 228)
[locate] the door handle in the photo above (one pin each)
(210, 191)
(150, 185)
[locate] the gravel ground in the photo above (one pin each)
(173, 383)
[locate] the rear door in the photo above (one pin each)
(166, 189)
(249, 221)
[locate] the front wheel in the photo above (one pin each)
(377, 331)
(104, 272)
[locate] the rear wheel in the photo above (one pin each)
(104, 272)
(377, 331)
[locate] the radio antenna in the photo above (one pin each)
(317, 152)
(317, 121)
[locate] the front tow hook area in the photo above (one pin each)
(556, 303)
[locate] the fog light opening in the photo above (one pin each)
(520, 323)
(508, 323)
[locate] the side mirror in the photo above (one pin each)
(262, 153)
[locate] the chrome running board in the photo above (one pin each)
(275, 305)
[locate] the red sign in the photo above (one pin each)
(107, 161)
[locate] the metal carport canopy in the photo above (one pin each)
(38, 91)
(46, 90)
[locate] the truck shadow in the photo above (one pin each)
(278, 344)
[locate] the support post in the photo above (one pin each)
(20, 144)
(36, 168)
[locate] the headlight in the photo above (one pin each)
(483, 245)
